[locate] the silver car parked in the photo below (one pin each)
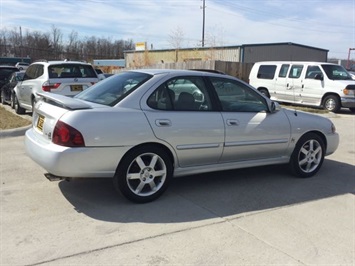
(140, 128)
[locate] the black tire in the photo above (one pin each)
(2, 96)
(264, 92)
(12, 100)
(332, 103)
(33, 103)
(18, 109)
(308, 155)
(352, 110)
(143, 174)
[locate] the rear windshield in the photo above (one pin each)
(336, 72)
(71, 71)
(113, 89)
(6, 72)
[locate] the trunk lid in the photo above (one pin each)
(50, 109)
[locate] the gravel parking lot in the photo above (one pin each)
(251, 216)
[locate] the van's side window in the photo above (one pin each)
(283, 71)
(295, 71)
(266, 72)
(312, 71)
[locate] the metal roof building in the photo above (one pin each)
(246, 53)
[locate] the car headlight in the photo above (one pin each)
(349, 92)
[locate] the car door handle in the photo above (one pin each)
(232, 122)
(163, 122)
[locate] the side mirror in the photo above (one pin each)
(275, 107)
(319, 77)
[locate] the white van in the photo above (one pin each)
(305, 83)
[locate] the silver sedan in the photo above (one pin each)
(141, 128)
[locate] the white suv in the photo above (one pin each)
(22, 65)
(62, 77)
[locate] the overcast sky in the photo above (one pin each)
(326, 24)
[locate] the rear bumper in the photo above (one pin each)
(73, 162)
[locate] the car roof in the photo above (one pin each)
(295, 62)
(199, 72)
(59, 62)
(7, 66)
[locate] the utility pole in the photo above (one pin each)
(203, 23)
(21, 47)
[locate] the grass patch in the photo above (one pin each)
(9, 120)
(305, 109)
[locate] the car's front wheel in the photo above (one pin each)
(144, 174)
(2, 96)
(12, 100)
(308, 155)
(332, 103)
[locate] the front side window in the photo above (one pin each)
(266, 72)
(181, 94)
(295, 71)
(236, 96)
(312, 71)
(113, 90)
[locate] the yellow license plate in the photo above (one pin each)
(76, 87)
(40, 122)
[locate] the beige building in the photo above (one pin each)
(248, 53)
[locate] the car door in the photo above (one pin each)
(313, 86)
(281, 87)
(181, 115)
(295, 84)
(252, 132)
(24, 88)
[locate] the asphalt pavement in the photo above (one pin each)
(256, 216)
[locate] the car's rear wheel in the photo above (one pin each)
(18, 109)
(308, 155)
(144, 174)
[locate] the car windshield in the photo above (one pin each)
(112, 90)
(336, 72)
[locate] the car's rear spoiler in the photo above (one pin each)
(63, 101)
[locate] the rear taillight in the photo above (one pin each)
(67, 136)
(48, 87)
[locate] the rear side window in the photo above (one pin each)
(283, 71)
(266, 72)
(181, 94)
(71, 71)
(33, 72)
(295, 71)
